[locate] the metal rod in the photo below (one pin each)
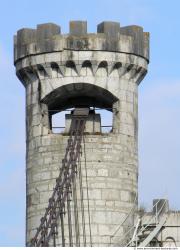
(108, 126)
(60, 110)
(62, 228)
(69, 220)
(82, 202)
(87, 191)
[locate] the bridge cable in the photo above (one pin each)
(82, 198)
(56, 209)
(87, 190)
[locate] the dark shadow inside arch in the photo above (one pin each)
(79, 95)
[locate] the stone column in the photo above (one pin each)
(78, 69)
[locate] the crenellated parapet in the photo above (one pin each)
(109, 60)
(109, 37)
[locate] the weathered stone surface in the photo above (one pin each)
(78, 28)
(47, 30)
(136, 32)
(48, 38)
(111, 29)
(97, 70)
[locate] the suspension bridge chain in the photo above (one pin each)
(65, 188)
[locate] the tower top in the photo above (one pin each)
(109, 37)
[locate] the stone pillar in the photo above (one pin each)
(101, 70)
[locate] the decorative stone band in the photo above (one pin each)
(109, 37)
(96, 64)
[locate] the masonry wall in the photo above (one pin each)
(169, 235)
(112, 171)
(112, 181)
(63, 71)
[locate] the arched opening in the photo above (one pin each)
(62, 100)
(169, 242)
(41, 71)
(79, 95)
(86, 69)
(71, 69)
(102, 69)
(55, 70)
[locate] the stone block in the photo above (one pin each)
(47, 30)
(129, 96)
(113, 173)
(33, 199)
(94, 229)
(40, 59)
(42, 187)
(138, 37)
(36, 130)
(35, 86)
(46, 141)
(78, 28)
(126, 117)
(117, 217)
(114, 183)
(110, 204)
(125, 196)
(110, 194)
(99, 217)
(47, 160)
(146, 44)
(45, 131)
(35, 98)
(98, 184)
(36, 119)
(109, 28)
(89, 203)
(95, 194)
(25, 36)
(28, 90)
(90, 172)
(45, 175)
(106, 229)
(103, 172)
(100, 203)
(28, 100)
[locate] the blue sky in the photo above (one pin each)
(159, 98)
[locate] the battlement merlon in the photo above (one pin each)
(109, 37)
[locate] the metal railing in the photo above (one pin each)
(104, 129)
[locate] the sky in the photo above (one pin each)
(159, 98)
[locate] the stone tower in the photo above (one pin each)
(80, 69)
